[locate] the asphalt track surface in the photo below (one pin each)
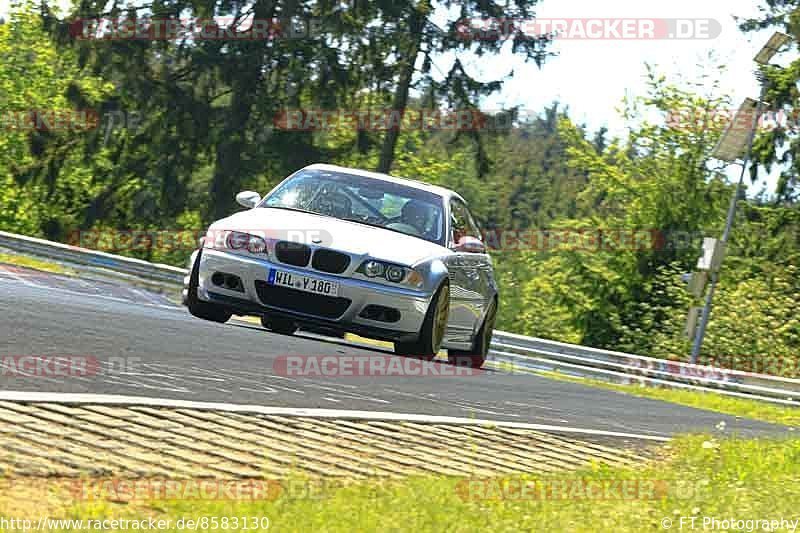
(147, 346)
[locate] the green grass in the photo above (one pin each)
(31, 262)
(743, 407)
(758, 410)
(698, 476)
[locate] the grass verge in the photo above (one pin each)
(731, 405)
(695, 476)
(36, 264)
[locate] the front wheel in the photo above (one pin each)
(475, 357)
(433, 327)
(199, 308)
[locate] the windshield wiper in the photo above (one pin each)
(366, 223)
(291, 209)
(375, 225)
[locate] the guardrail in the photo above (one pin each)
(582, 361)
(526, 352)
(154, 273)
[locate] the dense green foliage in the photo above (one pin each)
(199, 123)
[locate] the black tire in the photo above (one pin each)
(475, 357)
(280, 325)
(432, 332)
(199, 308)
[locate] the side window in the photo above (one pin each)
(462, 223)
(474, 230)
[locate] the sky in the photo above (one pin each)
(591, 77)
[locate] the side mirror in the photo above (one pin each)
(248, 199)
(470, 245)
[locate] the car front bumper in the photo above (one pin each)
(411, 304)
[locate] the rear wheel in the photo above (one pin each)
(475, 357)
(280, 325)
(199, 308)
(433, 327)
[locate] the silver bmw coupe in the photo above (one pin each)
(338, 250)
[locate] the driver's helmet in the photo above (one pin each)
(415, 213)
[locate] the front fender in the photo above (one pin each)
(434, 273)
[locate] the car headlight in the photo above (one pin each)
(373, 269)
(393, 273)
(235, 240)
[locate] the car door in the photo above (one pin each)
(471, 283)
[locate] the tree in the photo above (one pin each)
(207, 101)
(44, 102)
(780, 146)
(422, 41)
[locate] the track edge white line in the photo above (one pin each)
(141, 401)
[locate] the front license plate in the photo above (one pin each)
(302, 283)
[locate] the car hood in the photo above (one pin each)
(329, 232)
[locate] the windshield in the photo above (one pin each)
(369, 201)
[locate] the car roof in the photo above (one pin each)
(441, 191)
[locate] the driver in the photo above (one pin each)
(415, 213)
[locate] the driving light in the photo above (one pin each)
(236, 240)
(257, 245)
(395, 274)
(391, 272)
(414, 278)
(373, 268)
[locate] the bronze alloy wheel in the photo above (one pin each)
(440, 318)
(433, 328)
